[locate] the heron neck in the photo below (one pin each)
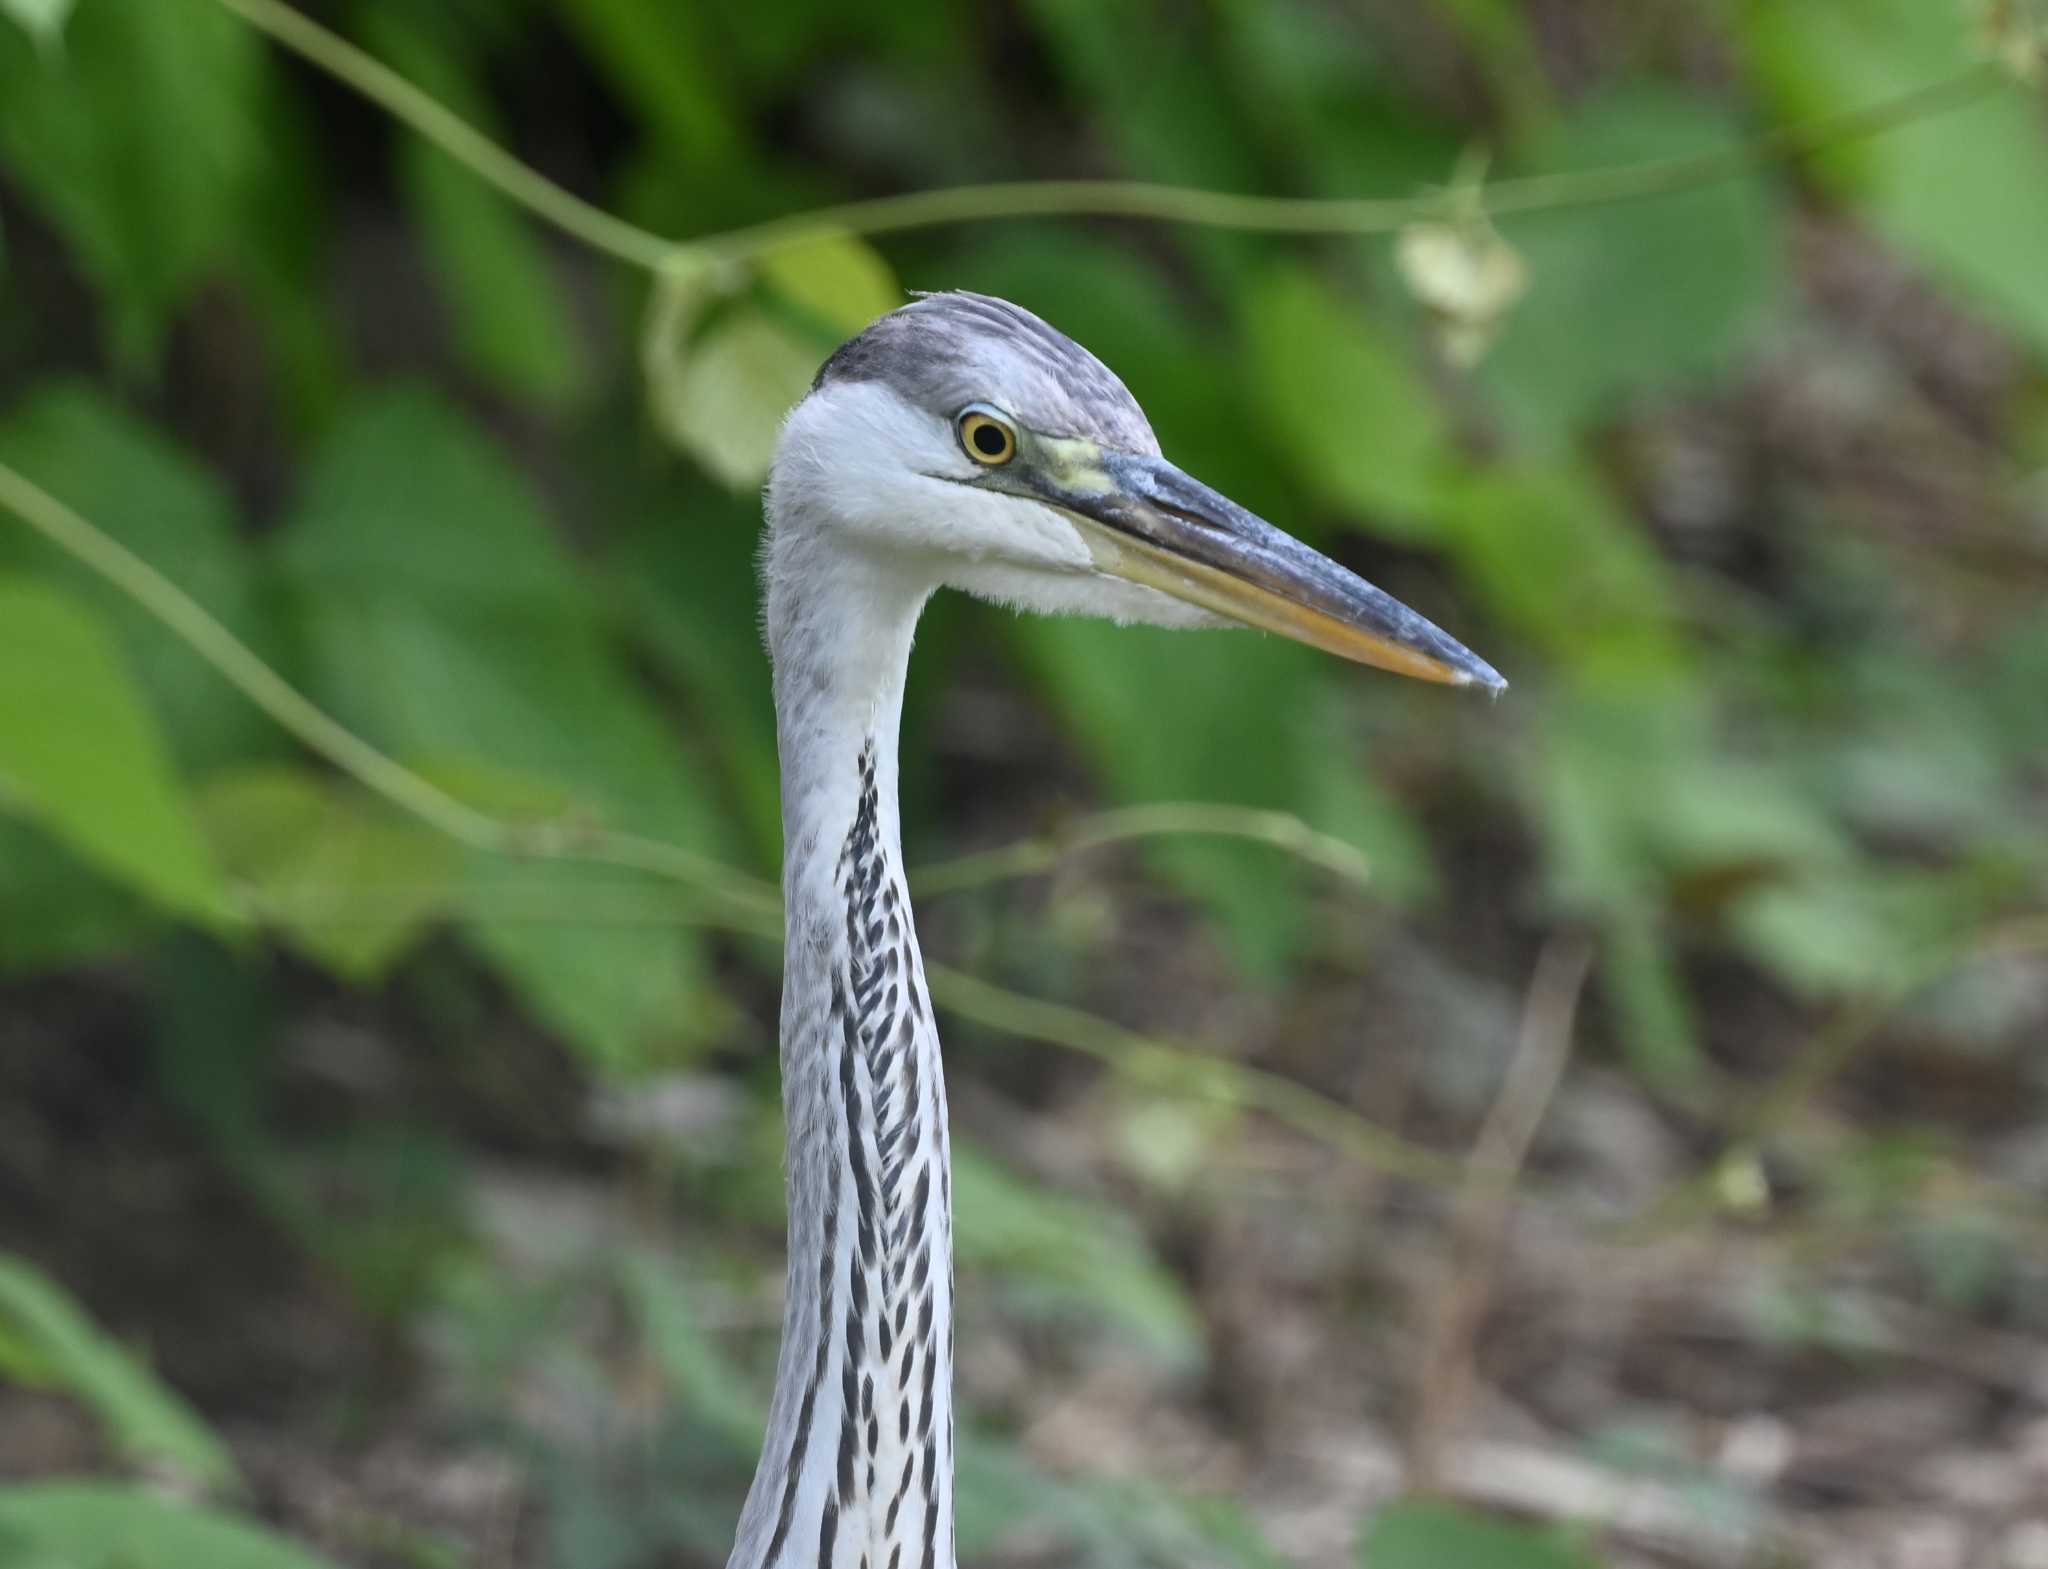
(857, 1465)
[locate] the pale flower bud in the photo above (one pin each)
(1467, 277)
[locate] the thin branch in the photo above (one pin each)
(1129, 199)
(737, 901)
(1198, 1075)
(1282, 831)
(1485, 1201)
(1313, 215)
(1030, 857)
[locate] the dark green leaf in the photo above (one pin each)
(87, 130)
(58, 909)
(442, 619)
(129, 482)
(510, 312)
(1416, 1534)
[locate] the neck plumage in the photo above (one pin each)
(857, 1467)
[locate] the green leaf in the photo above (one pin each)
(665, 1299)
(349, 884)
(83, 129)
(604, 957)
(442, 620)
(58, 910)
(42, 20)
(150, 496)
(1417, 1534)
(743, 374)
(1072, 1256)
(1964, 192)
(1342, 399)
(1564, 566)
(407, 501)
(47, 1339)
(684, 568)
(839, 281)
(1176, 120)
(1636, 297)
(1658, 1028)
(80, 754)
(96, 1525)
(1853, 930)
(656, 55)
(510, 313)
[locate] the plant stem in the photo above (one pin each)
(1131, 199)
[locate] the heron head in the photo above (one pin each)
(964, 440)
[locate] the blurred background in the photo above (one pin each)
(1641, 1164)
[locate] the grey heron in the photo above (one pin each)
(958, 442)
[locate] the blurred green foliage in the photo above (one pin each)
(395, 436)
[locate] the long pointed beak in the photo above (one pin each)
(1150, 523)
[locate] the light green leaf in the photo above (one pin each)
(740, 378)
(1636, 297)
(83, 130)
(42, 20)
(95, 1525)
(839, 280)
(349, 884)
(47, 1339)
(80, 754)
(1859, 927)
(1966, 191)
(1341, 397)
(1069, 1255)
(1419, 1534)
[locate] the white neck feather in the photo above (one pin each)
(857, 1468)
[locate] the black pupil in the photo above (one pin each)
(989, 440)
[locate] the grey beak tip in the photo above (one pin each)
(1486, 678)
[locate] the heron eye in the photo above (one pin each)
(987, 440)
